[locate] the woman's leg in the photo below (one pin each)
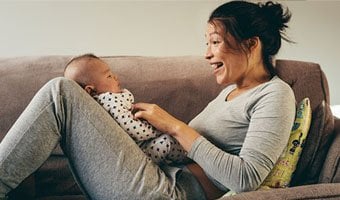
(30, 141)
(106, 162)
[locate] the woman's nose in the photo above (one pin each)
(208, 55)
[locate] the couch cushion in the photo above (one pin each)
(308, 192)
(331, 168)
(308, 80)
(316, 146)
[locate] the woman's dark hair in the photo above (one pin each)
(244, 20)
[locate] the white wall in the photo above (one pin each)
(155, 28)
(315, 27)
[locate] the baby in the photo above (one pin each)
(95, 76)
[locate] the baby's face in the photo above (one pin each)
(104, 79)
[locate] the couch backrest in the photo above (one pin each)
(182, 85)
(308, 80)
(20, 79)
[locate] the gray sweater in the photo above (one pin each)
(244, 137)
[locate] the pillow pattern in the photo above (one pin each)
(284, 168)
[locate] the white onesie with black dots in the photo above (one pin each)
(161, 148)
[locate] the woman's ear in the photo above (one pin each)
(90, 89)
(253, 43)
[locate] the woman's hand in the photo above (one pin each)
(166, 123)
(158, 117)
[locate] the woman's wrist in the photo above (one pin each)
(185, 135)
(177, 128)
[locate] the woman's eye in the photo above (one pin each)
(109, 76)
(215, 42)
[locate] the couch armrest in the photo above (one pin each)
(316, 191)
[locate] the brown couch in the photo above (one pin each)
(183, 86)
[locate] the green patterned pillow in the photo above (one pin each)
(283, 170)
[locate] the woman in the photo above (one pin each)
(233, 143)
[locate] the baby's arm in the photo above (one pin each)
(139, 130)
(120, 110)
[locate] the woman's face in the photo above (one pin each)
(229, 65)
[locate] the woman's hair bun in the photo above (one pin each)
(276, 15)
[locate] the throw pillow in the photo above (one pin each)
(281, 174)
(316, 147)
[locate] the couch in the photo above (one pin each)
(183, 86)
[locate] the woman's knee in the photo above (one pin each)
(62, 81)
(62, 84)
(59, 86)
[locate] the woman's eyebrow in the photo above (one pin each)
(215, 32)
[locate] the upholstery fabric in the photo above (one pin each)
(331, 168)
(316, 146)
(310, 83)
(320, 191)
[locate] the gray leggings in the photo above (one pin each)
(105, 161)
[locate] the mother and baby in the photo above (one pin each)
(143, 151)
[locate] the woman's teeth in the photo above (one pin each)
(216, 65)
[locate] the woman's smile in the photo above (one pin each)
(217, 66)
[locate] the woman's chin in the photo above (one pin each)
(222, 81)
(219, 81)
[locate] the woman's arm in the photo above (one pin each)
(166, 123)
(268, 132)
(271, 115)
(184, 134)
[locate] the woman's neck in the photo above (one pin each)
(254, 77)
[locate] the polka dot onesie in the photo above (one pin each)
(161, 148)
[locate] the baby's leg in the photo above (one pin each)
(176, 154)
(164, 149)
(157, 149)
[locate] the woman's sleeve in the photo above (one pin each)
(268, 133)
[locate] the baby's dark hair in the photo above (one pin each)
(244, 20)
(88, 56)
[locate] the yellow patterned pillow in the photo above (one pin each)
(283, 170)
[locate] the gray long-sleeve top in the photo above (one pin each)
(243, 138)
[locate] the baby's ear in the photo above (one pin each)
(90, 89)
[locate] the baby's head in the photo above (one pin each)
(92, 74)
